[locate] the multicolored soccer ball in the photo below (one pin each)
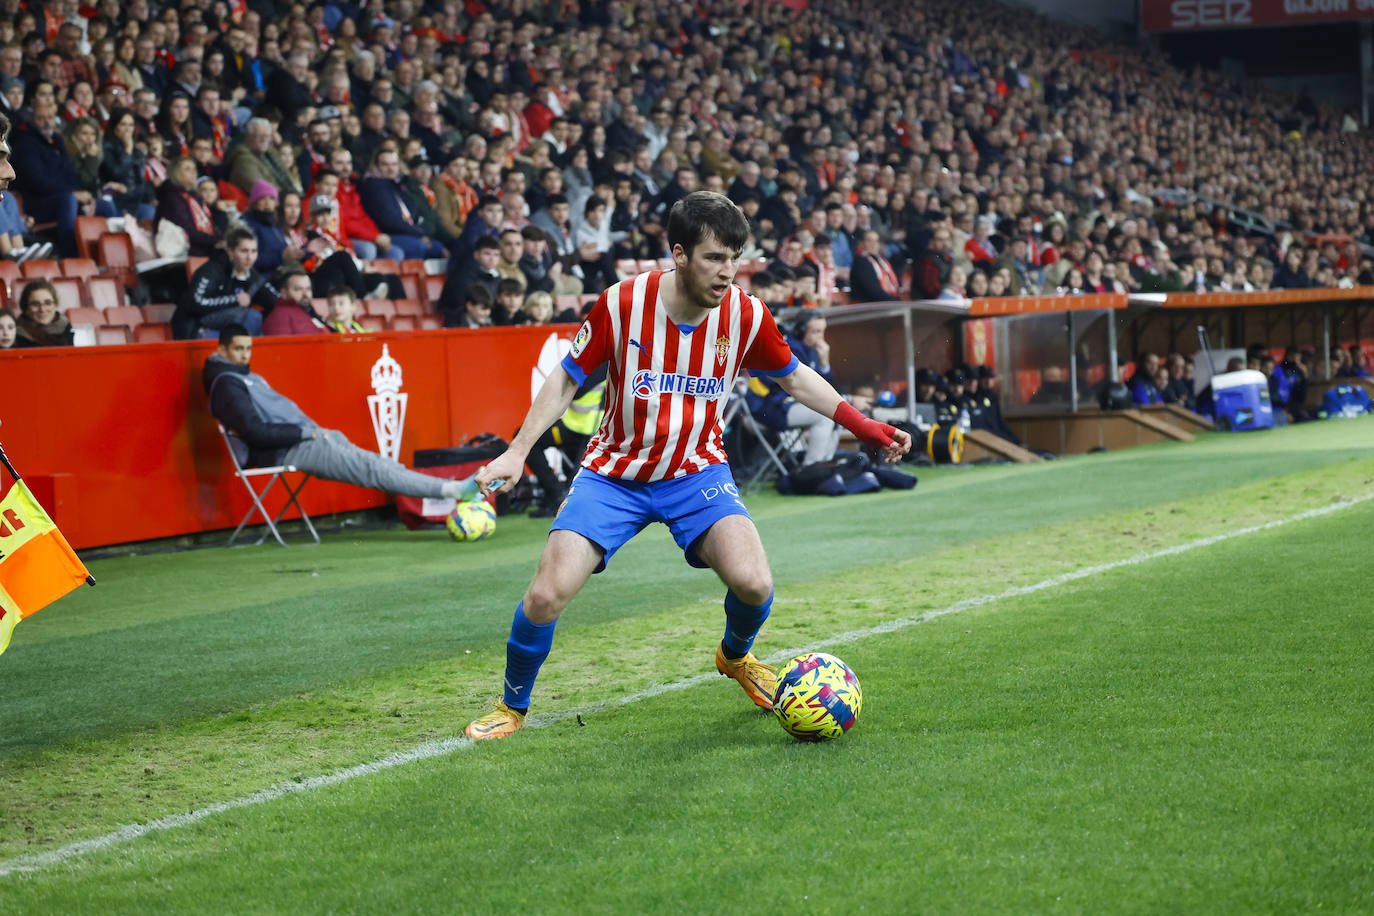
(817, 697)
(471, 521)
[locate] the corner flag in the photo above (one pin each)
(37, 565)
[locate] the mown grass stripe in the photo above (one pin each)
(443, 747)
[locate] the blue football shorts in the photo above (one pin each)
(608, 512)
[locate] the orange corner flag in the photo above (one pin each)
(37, 565)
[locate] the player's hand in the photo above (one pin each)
(244, 300)
(502, 473)
(901, 444)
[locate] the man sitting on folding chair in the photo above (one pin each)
(773, 407)
(277, 432)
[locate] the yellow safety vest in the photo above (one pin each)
(584, 416)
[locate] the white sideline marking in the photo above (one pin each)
(41, 860)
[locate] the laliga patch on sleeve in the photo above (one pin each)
(579, 343)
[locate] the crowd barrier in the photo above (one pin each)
(118, 444)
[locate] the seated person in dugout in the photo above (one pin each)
(276, 431)
(774, 408)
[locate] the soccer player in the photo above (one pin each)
(674, 340)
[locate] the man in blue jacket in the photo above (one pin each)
(1143, 388)
(394, 210)
(774, 407)
(47, 181)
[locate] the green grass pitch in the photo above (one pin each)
(1062, 713)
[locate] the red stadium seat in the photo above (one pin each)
(564, 303)
(646, 264)
(79, 268)
(82, 315)
(193, 265)
(414, 285)
(403, 323)
(11, 277)
(88, 232)
(627, 267)
(152, 333)
(430, 322)
(410, 307)
(157, 313)
(413, 266)
(434, 287)
(46, 268)
(103, 292)
(127, 315)
(382, 266)
(372, 322)
(115, 252)
(111, 335)
(383, 308)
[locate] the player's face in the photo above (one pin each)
(708, 273)
(239, 350)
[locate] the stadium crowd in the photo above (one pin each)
(986, 149)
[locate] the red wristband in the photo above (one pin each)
(870, 432)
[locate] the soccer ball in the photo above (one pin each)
(817, 697)
(474, 521)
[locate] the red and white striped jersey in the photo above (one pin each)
(667, 386)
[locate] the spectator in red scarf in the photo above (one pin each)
(179, 203)
(872, 278)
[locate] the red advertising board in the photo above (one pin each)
(1202, 15)
(118, 443)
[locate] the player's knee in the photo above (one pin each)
(544, 602)
(753, 588)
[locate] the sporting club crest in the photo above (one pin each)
(387, 405)
(722, 349)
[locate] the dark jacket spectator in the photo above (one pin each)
(286, 89)
(872, 278)
(125, 166)
(932, 269)
(179, 203)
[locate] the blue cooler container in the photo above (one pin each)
(1242, 400)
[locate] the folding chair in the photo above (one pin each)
(238, 453)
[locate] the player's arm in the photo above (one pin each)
(807, 386)
(552, 402)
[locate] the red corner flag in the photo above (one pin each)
(37, 565)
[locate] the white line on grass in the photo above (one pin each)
(41, 860)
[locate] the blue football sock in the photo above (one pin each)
(528, 646)
(742, 623)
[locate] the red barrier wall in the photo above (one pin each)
(118, 443)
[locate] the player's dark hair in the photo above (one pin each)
(230, 331)
(704, 213)
(508, 287)
(341, 290)
(4, 128)
(484, 243)
(478, 294)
